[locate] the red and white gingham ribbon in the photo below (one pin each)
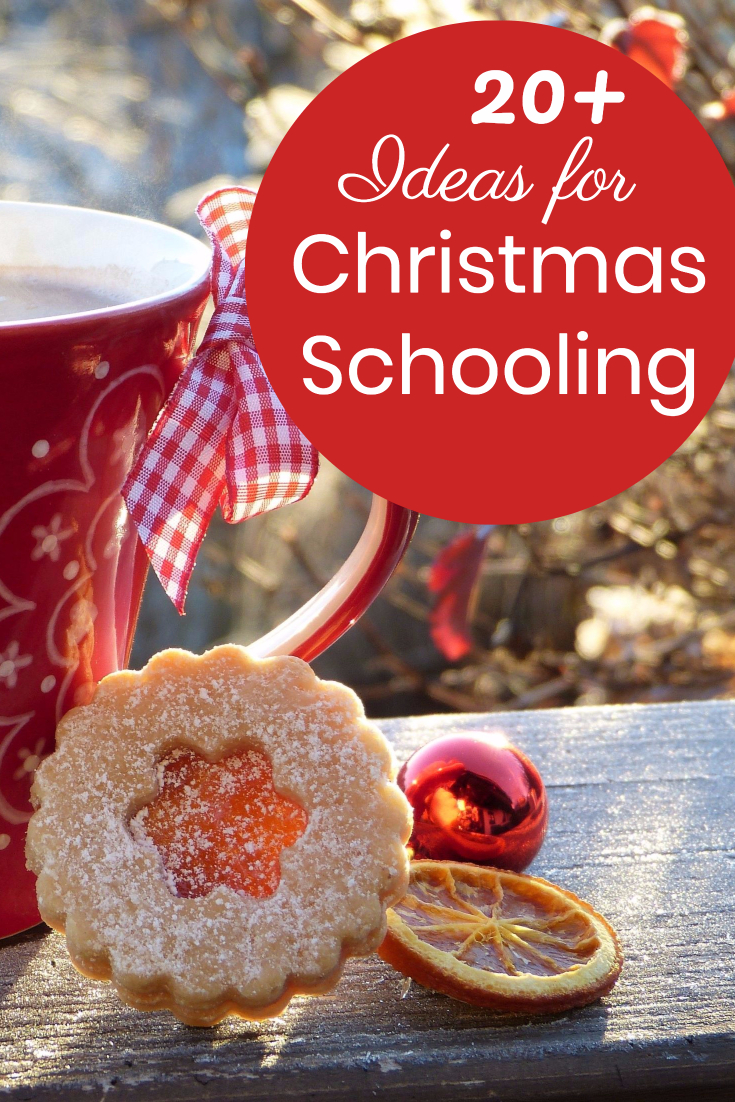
(223, 436)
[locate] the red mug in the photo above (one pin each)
(78, 395)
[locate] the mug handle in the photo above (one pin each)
(342, 601)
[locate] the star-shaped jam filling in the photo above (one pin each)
(221, 822)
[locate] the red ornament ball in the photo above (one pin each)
(477, 798)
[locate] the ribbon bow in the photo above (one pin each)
(223, 436)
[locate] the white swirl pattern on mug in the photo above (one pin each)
(49, 539)
(82, 613)
(11, 661)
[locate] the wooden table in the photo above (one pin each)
(642, 825)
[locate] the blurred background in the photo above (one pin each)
(141, 106)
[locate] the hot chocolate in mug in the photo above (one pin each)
(98, 313)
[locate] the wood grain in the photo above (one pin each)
(642, 825)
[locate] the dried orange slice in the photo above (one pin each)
(500, 939)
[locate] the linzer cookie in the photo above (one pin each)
(216, 834)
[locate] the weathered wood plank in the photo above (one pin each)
(642, 824)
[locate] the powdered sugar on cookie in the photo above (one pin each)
(339, 834)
